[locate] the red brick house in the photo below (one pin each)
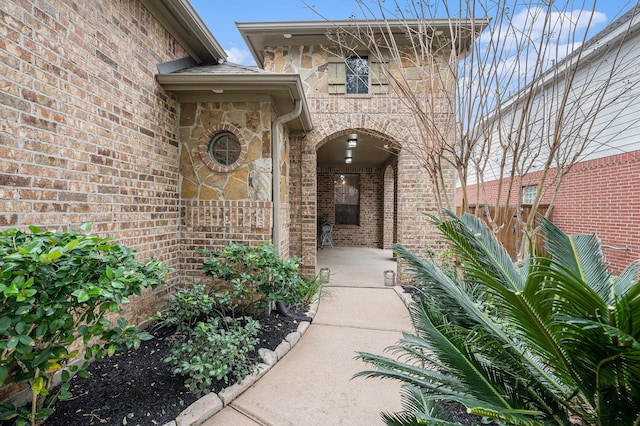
(601, 193)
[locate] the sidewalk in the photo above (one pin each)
(312, 384)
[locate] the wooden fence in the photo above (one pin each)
(505, 219)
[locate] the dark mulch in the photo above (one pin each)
(135, 387)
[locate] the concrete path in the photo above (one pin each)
(312, 384)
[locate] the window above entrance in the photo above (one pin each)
(357, 74)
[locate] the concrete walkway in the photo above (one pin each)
(312, 384)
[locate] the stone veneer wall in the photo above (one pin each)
(86, 133)
(381, 115)
(221, 205)
(369, 232)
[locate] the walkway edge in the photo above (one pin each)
(207, 406)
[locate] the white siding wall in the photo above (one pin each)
(611, 128)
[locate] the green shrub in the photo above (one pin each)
(259, 271)
(57, 289)
(209, 344)
(310, 287)
(213, 350)
(546, 343)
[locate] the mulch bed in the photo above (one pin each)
(135, 387)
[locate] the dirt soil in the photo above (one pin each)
(135, 387)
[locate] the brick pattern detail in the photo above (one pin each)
(599, 196)
(210, 224)
(390, 208)
(369, 232)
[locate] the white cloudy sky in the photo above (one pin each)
(221, 16)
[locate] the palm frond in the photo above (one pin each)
(580, 254)
(474, 242)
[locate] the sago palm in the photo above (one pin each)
(553, 340)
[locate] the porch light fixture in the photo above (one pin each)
(352, 140)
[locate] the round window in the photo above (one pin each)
(224, 148)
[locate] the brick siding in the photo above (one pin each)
(86, 134)
(369, 232)
(598, 196)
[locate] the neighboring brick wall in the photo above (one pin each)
(86, 134)
(369, 232)
(598, 196)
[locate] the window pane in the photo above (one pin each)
(347, 199)
(357, 74)
(529, 194)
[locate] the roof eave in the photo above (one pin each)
(254, 33)
(184, 23)
(284, 89)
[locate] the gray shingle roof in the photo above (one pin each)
(223, 68)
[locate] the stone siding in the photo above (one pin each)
(222, 205)
(383, 115)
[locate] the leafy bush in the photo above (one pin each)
(259, 271)
(547, 343)
(213, 350)
(209, 345)
(56, 288)
(214, 334)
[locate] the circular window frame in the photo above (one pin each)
(210, 137)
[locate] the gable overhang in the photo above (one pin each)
(282, 90)
(186, 26)
(259, 35)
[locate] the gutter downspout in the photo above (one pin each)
(275, 164)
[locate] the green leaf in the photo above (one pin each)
(25, 340)
(81, 295)
(55, 253)
(4, 373)
(42, 328)
(13, 342)
(23, 309)
(37, 385)
(35, 230)
(42, 357)
(5, 323)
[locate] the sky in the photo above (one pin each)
(221, 15)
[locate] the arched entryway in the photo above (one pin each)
(350, 173)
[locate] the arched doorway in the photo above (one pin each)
(351, 187)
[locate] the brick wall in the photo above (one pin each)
(212, 224)
(369, 232)
(390, 208)
(86, 134)
(598, 196)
